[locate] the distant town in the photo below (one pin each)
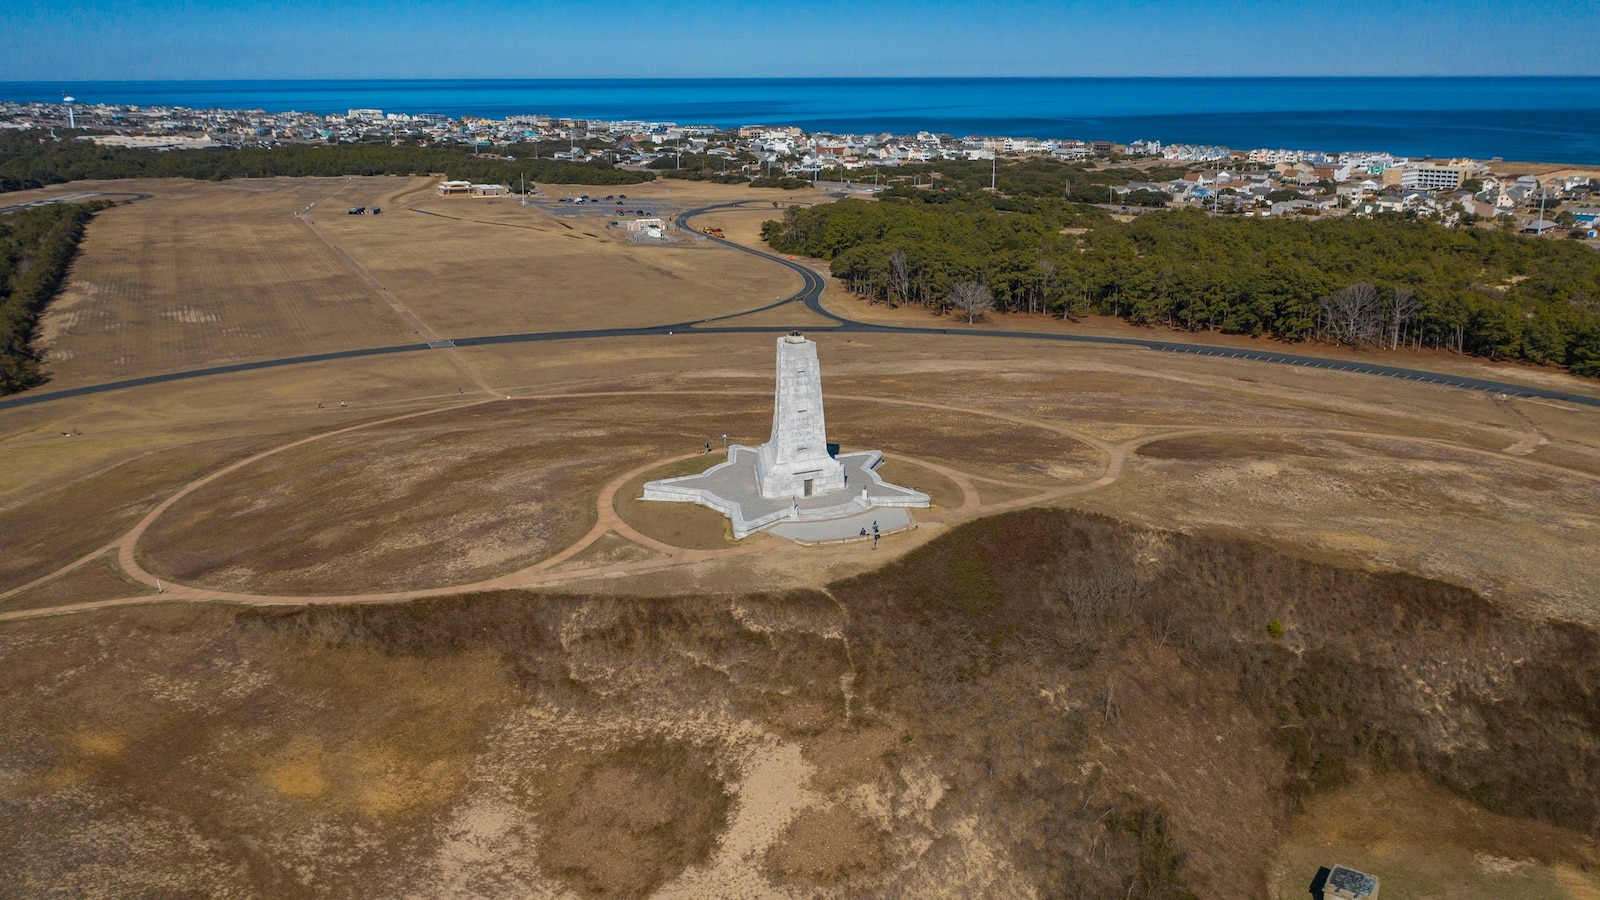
(1261, 182)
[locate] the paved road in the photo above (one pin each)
(810, 295)
(71, 198)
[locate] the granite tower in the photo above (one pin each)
(795, 462)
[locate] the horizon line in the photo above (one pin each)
(769, 78)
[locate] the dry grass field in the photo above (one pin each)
(1434, 846)
(1521, 532)
(505, 479)
(496, 267)
(681, 525)
(654, 709)
(204, 274)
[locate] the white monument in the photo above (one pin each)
(792, 484)
(795, 462)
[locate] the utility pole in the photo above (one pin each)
(994, 170)
(1539, 226)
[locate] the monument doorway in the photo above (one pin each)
(809, 483)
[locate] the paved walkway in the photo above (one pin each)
(888, 520)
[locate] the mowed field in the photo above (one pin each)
(475, 266)
(204, 274)
(580, 740)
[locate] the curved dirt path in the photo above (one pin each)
(124, 544)
(608, 521)
(1531, 439)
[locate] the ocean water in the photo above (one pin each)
(1545, 119)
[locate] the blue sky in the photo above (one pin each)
(70, 40)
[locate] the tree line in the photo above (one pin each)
(721, 170)
(36, 247)
(1388, 281)
(30, 160)
(1028, 177)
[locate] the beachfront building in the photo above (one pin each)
(1182, 152)
(1426, 177)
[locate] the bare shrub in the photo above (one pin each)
(624, 823)
(899, 279)
(1353, 315)
(1104, 598)
(1009, 688)
(826, 845)
(972, 298)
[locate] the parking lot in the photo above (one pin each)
(620, 206)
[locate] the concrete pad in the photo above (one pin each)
(731, 488)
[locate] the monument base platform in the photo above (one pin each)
(731, 488)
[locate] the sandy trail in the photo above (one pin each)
(607, 520)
